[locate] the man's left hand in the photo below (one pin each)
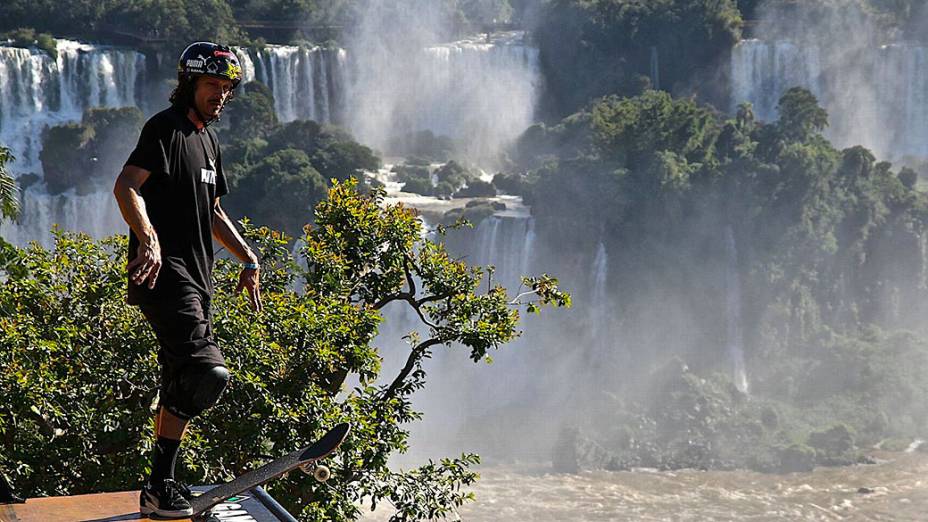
(249, 279)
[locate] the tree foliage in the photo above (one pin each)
(85, 155)
(174, 23)
(278, 191)
(825, 244)
(9, 190)
(594, 48)
(78, 367)
(278, 172)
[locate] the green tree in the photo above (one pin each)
(78, 366)
(593, 48)
(344, 159)
(331, 150)
(9, 191)
(178, 22)
(63, 158)
(306, 135)
(800, 114)
(279, 191)
(629, 130)
(84, 155)
(251, 113)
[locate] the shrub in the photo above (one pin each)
(477, 189)
(420, 186)
(78, 366)
(27, 37)
(85, 156)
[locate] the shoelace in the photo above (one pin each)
(184, 490)
(175, 491)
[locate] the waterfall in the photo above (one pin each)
(529, 250)
(95, 214)
(886, 110)
(761, 72)
(598, 275)
(599, 299)
(481, 92)
(507, 243)
(487, 231)
(304, 80)
(466, 402)
(655, 69)
(735, 338)
(36, 92)
(248, 65)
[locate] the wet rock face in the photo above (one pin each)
(795, 458)
(834, 446)
(575, 451)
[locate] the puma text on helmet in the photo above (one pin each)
(207, 58)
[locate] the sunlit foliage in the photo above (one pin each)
(78, 369)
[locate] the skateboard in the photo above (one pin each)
(307, 459)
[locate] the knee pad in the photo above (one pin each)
(209, 386)
(200, 390)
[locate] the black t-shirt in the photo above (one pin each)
(186, 178)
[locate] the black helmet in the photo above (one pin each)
(207, 58)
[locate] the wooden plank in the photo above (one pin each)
(99, 507)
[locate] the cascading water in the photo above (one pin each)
(481, 92)
(761, 72)
(599, 307)
(96, 214)
(36, 92)
(529, 250)
(481, 394)
(306, 81)
(735, 338)
(887, 110)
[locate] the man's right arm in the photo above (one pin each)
(128, 191)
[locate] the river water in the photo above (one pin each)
(896, 488)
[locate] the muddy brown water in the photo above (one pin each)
(896, 488)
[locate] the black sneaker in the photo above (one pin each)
(166, 501)
(185, 490)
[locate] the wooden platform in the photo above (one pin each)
(100, 507)
(113, 507)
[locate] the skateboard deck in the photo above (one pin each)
(300, 458)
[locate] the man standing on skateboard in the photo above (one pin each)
(168, 193)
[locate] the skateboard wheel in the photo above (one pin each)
(322, 473)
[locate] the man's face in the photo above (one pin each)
(211, 94)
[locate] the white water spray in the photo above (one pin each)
(876, 94)
(735, 341)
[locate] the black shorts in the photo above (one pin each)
(185, 333)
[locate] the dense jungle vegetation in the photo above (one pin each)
(169, 24)
(829, 252)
